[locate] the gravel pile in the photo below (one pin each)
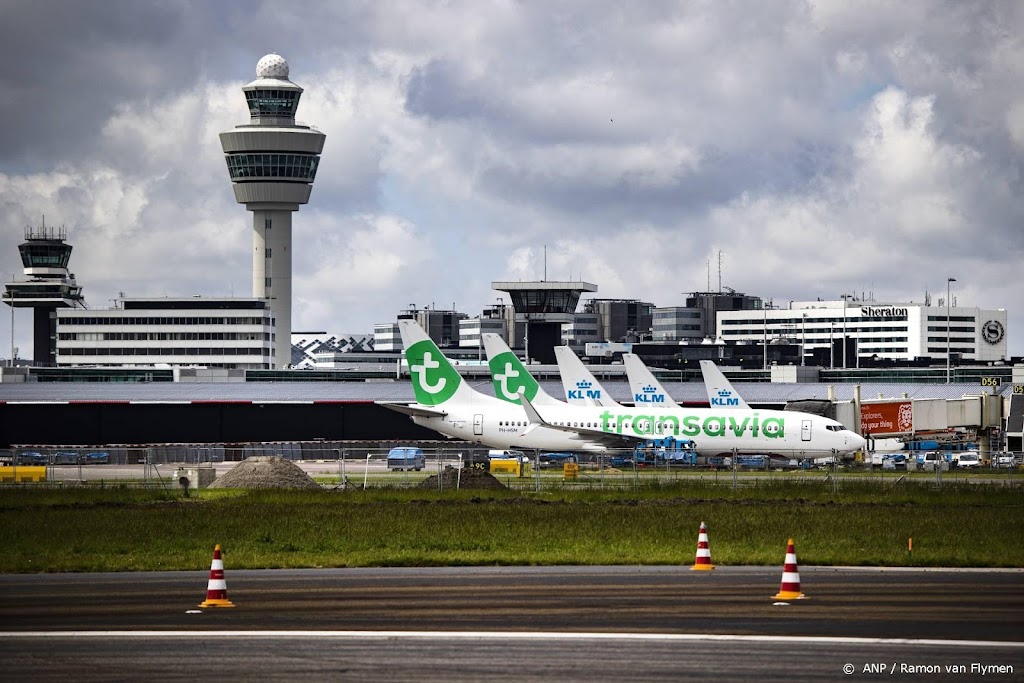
(471, 479)
(265, 472)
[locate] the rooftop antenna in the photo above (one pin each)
(545, 263)
(709, 274)
(719, 271)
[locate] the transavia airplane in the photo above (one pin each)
(446, 404)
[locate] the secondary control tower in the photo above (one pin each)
(47, 286)
(544, 307)
(272, 161)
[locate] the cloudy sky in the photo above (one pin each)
(872, 148)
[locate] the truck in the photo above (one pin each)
(757, 462)
(889, 461)
(666, 451)
(404, 458)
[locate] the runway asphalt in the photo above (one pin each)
(515, 623)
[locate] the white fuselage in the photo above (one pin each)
(500, 424)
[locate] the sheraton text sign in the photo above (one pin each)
(883, 312)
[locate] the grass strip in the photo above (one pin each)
(124, 529)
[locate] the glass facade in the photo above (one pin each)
(165, 351)
(163, 336)
(45, 255)
(676, 323)
(272, 102)
(35, 290)
(544, 300)
(298, 167)
(152, 320)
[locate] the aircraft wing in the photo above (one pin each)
(412, 409)
(583, 434)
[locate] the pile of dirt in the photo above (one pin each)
(471, 478)
(265, 472)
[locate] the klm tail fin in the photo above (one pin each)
(720, 391)
(580, 385)
(646, 389)
(434, 380)
(510, 376)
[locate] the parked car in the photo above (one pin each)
(97, 458)
(1003, 461)
(406, 458)
(31, 458)
(65, 458)
(557, 459)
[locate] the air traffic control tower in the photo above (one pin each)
(272, 161)
(46, 287)
(544, 307)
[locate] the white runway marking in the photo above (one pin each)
(512, 635)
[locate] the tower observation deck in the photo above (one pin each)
(544, 306)
(272, 162)
(46, 287)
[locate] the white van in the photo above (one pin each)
(508, 455)
(932, 459)
(967, 459)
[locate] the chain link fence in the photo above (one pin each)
(362, 465)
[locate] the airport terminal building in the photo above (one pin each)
(234, 333)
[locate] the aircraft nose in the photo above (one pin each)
(858, 442)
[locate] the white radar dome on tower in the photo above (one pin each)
(272, 66)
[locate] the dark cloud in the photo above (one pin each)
(70, 64)
(857, 137)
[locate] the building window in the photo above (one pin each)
(268, 253)
(297, 167)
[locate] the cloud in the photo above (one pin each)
(820, 146)
(366, 257)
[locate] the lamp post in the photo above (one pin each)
(803, 340)
(831, 345)
(948, 335)
(844, 330)
(765, 337)
(11, 302)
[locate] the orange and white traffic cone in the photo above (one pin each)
(217, 588)
(703, 558)
(790, 589)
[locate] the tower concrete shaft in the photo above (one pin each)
(272, 162)
(272, 267)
